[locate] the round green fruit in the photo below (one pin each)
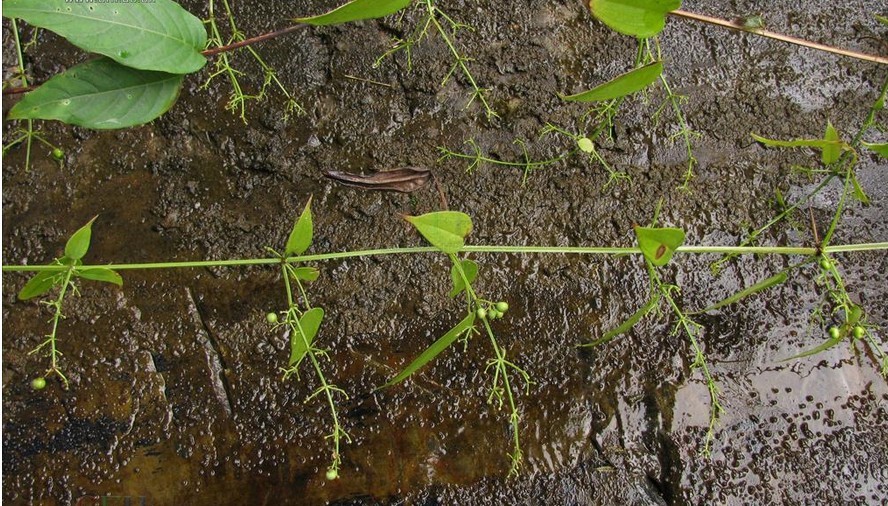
(38, 383)
(332, 474)
(858, 332)
(58, 154)
(502, 306)
(834, 332)
(585, 144)
(481, 313)
(272, 318)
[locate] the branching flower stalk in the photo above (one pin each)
(500, 386)
(57, 316)
(223, 66)
(691, 329)
(685, 132)
(478, 158)
(292, 320)
(460, 61)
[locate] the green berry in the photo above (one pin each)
(38, 383)
(834, 332)
(585, 144)
(272, 318)
(58, 154)
(502, 306)
(825, 264)
(858, 332)
(481, 313)
(332, 474)
(493, 314)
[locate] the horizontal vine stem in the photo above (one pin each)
(567, 250)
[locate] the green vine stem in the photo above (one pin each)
(567, 250)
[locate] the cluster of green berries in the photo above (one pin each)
(857, 331)
(493, 311)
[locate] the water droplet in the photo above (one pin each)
(66, 102)
(129, 96)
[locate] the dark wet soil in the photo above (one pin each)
(175, 391)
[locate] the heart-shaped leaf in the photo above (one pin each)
(639, 18)
(78, 244)
(833, 149)
(149, 35)
(305, 332)
(101, 94)
(445, 230)
(100, 274)
(435, 349)
(470, 269)
(620, 86)
(658, 244)
(301, 235)
(627, 325)
(880, 148)
(306, 273)
(356, 10)
(41, 283)
(829, 146)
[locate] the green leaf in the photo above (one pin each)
(626, 325)
(813, 351)
(301, 236)
(356, 10)
(882, 19)
(880, 148)
(620, 86)
(658, 244)
(859, 194)
(306, 273)
(304, 334)
(434, 350)
(78, 244)
(470, 269)
(101, 94)
(41, 283)
(825, 145)
(100, 274)
(445, 230)
(833, 150)
(639, 18)
(762, 285)
(156, 35)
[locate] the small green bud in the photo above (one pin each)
(493, 314)
(272, 318)
(481, 313)
(38, 383)
(858, 332)
(834, 332)
(585, 144)
(332, 474)
(825, 264)
(58, 154)
(502, 306)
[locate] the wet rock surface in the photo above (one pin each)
(175, 379)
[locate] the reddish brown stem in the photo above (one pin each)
(778, 36)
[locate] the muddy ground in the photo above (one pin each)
(176, 393)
